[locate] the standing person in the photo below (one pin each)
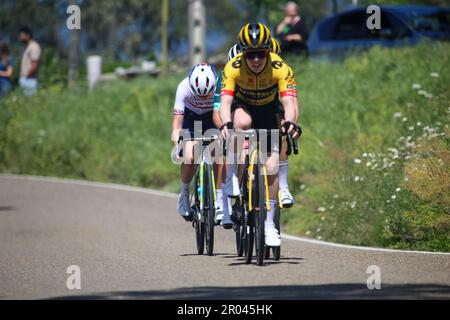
(293, 31)
(6, 69)
(30, 62)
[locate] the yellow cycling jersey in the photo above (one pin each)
(258, 89)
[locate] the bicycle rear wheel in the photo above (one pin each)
(249, 238)
(276, 251)
(239, 228)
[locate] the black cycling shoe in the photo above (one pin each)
(236, 220)
(227, 226)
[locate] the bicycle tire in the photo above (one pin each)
(266, 253)
(260, 217)
(239, 229)
(249, 240)
(276, 251)
(209, 211)
(198, 225)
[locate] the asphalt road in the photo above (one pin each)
(130, 243)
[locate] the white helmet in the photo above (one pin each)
(234, 51)
(202, 79)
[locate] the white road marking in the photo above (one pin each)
(175, 196)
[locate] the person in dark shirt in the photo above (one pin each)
(292, 31)
(6, 69)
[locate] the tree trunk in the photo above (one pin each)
(197, 30)
(335, 6)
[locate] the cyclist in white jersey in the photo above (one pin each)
(193, 103)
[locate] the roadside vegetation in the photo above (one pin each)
(374, 167)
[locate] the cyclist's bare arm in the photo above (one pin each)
(225, 110)
(289, 108)
(177, 124)
(216, 119)
(297, 109)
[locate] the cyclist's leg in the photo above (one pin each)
(286, 197)
(267, 119)
(241, 120)
(188, 167)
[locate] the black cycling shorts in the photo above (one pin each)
(204, 122)
(264, 117)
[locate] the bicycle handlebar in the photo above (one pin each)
(203, 140)
(291, 142)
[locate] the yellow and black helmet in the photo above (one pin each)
(254, 36)
(276, 48)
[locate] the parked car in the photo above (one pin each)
(347, 32)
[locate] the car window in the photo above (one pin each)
(399, 28)
(351, 26)
(431, 23)
(391, 28)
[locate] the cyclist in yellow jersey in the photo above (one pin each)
(254, 79)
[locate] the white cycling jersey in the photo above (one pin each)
(186, 98)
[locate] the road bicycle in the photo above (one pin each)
(250, 208)
(203, 197)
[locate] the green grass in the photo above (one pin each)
(120, 132)
(364, 109)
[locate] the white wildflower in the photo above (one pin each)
(397, 115)
(416, 86)
(321, 209)
(422, 92)
(434, 75)
(357, 161)
(357, 178)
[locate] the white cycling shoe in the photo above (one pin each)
(184, 209)
(287, 200)
(219, 215)
(231, 186)
(272, 238)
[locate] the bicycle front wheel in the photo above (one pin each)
(198, 223)
(209, 211)
(260, 217)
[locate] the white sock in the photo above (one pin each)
(227, 206)
(231, 164)
(271, 214)
(219, 198)
(283, 174)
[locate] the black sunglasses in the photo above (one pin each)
(261, 54)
